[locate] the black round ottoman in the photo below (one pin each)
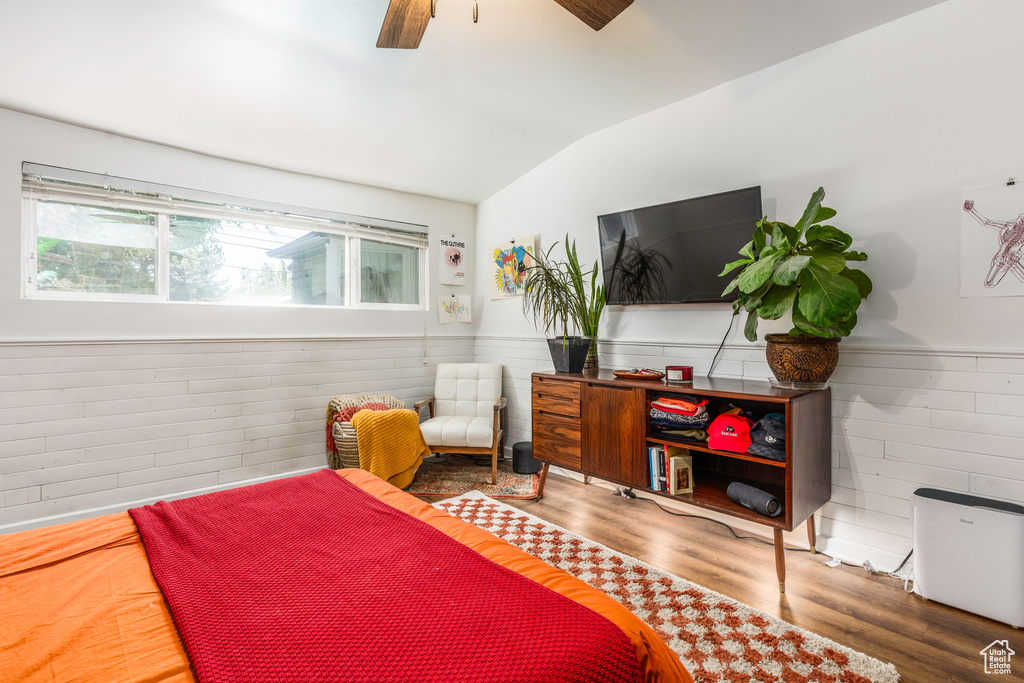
(522, 459)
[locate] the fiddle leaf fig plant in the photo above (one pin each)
(803, 268)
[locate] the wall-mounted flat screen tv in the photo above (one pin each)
(672, 253)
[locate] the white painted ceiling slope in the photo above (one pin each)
(298, 84)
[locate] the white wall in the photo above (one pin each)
(105, 405)
(29, 138)
(893, 123)
(90, 428)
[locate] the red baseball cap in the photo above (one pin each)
(730, 433)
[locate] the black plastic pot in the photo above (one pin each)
(569, 354)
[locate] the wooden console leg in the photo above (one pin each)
(812, 537)
(780, 560)
(543, 480)
(586, 479)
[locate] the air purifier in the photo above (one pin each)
(969, 553)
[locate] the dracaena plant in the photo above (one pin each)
(803, 268)
(561, 296)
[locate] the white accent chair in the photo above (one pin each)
(467, 411)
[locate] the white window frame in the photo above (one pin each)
(355, 269)
(30, 260)
(170, 203)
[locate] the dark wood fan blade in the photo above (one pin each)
(404, 24)
(595, 13)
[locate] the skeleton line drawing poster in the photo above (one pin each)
(992, 241)
(509, 263)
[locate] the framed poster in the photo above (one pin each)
(451, 256)
(508, 267)
(992, 241)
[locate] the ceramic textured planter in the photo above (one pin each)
(802, 361)
(569, 354)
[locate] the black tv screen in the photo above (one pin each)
(672, 253)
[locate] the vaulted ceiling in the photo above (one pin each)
(299, 84)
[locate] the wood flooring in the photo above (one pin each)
(927, 642)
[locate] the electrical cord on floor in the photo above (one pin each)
(906, 579)
(628, 493)
(715, 359)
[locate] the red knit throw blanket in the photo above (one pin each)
(312, 579)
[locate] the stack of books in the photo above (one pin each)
(670, 469)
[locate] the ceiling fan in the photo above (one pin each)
(406, 20)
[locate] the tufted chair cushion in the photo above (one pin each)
(464, 398)
(467, 389)
(458, 431)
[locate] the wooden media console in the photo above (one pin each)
(598, 425)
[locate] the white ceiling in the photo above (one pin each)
(299, 85)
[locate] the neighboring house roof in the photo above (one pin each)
(296, 248)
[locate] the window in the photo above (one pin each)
(88, 240)
(92, 249)
(388, 273)
(246, 263)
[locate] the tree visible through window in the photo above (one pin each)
(196, 259)
(93, 249)
(229, 261)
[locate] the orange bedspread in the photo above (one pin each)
(78, 601)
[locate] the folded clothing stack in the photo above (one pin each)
(690, 434)
(681, 405)
(680, 413)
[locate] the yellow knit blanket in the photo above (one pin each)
(391, 445)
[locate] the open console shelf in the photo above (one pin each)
(710, 494)
(695, 446)
(599, 425)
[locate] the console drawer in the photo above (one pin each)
(556, 388)
(555, 427)
(557, 437)
(556, 406)
(557, 452)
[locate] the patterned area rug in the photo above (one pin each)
(455, 475)
(718, 638)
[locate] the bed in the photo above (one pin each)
(80, 601)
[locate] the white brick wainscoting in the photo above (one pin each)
(90, 428)
(902, 419)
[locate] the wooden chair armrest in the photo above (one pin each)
(429, 402)
(499, 416)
